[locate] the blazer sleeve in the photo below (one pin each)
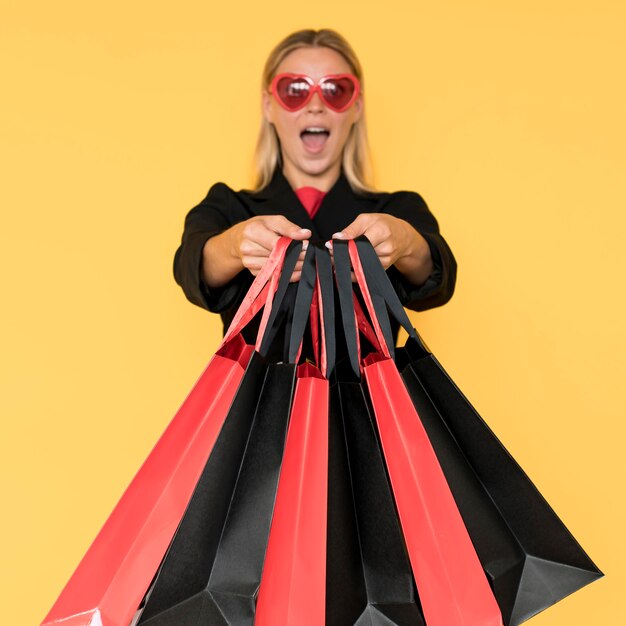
(212, 216)
(439, 286)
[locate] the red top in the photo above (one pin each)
(311, 198)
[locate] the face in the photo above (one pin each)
(309, 157)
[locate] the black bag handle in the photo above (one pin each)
(327, 309)
(380, 286)
(375, 281)
(316, 268)
(374, 284)
(380, 283)
(346, 305)
(302, 307)
(343, 264)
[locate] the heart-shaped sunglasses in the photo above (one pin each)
(294, 91)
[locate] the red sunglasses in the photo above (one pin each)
(294, 91)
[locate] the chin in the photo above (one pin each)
(317, 168)
(315, 171)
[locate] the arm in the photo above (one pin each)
(209, 218)
(219, 242)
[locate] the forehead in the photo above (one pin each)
(314, 62)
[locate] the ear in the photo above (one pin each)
(266, 105)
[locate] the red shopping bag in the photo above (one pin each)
(450, 580)
(114, 574)
(293, 584)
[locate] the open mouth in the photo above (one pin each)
(315, 137)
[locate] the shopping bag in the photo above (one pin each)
(370, 578)
(385, 590)
(293, 584)
(111, 579)
(531, 559)
(451, 583)
(212, 570)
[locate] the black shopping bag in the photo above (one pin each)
(382, 589)
(531, 559)
(212, 570)
(372, 583)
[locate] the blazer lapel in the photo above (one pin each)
(278, 198)
(339, 207)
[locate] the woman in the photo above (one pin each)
(312, 183)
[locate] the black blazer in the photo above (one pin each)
(223, 207)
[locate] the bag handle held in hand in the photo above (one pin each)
(354, 319)
(278, 284)
(373, 281)
(315, 281)
(346, 306)
(258, 291)
(326, 301)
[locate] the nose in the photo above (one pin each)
(316, 103)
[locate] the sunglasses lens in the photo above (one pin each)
(338, 91)
(292, 92)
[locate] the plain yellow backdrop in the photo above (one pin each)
(117, 117)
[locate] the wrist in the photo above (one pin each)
(412, 249)
(233, 242)
(220, 262)
(415, 261)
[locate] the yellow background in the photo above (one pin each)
(117, 117)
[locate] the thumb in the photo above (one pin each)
(282, 226)
(355, 229)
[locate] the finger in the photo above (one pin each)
(384, 248)
(297, 270)
(378, 236)
(377, 230)
(331, 252)
(258, 235)
(356, 228)
(267, 239)
(250, 247)
(385, 261)
(253, 263)
(283, 227)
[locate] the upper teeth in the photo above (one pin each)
(315, 129)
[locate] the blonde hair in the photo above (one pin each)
(356, 161)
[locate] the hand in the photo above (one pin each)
(253, 240)
(395, 242)
(248, 244)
